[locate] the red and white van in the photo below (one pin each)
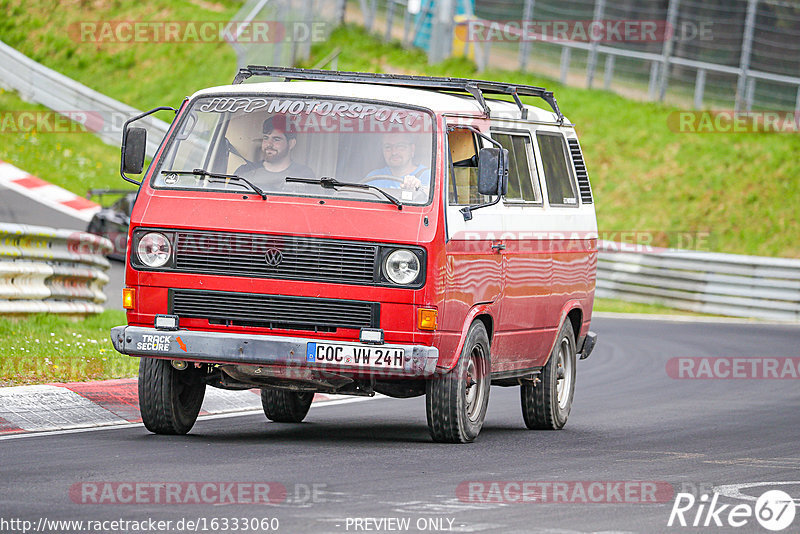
(357, 233)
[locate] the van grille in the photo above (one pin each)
(289, 257)
(274, 311)
(580, 170)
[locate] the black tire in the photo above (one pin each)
(455, 410)
(284, 406)
(169, 399)
(542, 407)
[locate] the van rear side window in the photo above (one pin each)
(560, 187)
(521, 186)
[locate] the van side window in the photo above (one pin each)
(463, 183)
(560, 189)
(522, 185)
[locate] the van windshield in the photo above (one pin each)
(265, 139)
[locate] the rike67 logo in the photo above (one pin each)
(774, 510)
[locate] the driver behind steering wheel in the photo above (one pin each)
(398, 152)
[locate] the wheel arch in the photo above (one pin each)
(481, 313)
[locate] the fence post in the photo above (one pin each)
(699, 88)
(747, 47)
(797, 105)
(484, 55)
(591, 62)
(524, 44)
(406, 27)
(308, 15)
(341, 11)
(608, 73)
(751, 92)
(441, 39)
(666, 51)
(565, 53)
(389, 20)
(652, 86)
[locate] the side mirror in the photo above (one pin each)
(134, 143)
(492, 171)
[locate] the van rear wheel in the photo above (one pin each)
(169, 399)
(456, 402)
(546, 405)
(284, 406)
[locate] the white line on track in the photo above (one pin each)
(320, 404)
(688, 318)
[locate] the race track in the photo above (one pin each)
(630, 423)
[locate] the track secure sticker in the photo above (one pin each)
(154, 343)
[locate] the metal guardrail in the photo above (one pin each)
(704, 282)
(101, 114)
(44, 270)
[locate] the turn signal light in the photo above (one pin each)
(426, 319)
(128, 298)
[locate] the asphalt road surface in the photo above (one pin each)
(630, 423)
(19, 209)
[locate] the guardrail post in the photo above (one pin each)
(747, 48)
(591, 62)
(524, 44)
(565, 53)
(699, 88)
(608, 73)
(666, 51)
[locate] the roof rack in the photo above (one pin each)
(477, 88)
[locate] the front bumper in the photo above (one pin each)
(247, 349)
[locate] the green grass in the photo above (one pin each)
(75, 161)
(142, 74)
(50, 348)
(738, 191)
(621, 306)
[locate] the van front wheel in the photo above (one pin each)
(284, 406)
(169, 399)
(546, 405)
(456, 402)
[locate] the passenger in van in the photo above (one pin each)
(400, 172)
(278, 141)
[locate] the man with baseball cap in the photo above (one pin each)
(278, 141)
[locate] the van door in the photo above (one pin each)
(473, 267)
(522, 337)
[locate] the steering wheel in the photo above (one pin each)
(417, 196)
(385, 177)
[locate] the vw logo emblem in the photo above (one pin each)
(273, 257)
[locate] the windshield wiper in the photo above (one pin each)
(332, 183)
(218, 176)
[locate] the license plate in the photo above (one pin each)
(355, 355)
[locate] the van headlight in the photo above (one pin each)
(154, 250)
(401, 267)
